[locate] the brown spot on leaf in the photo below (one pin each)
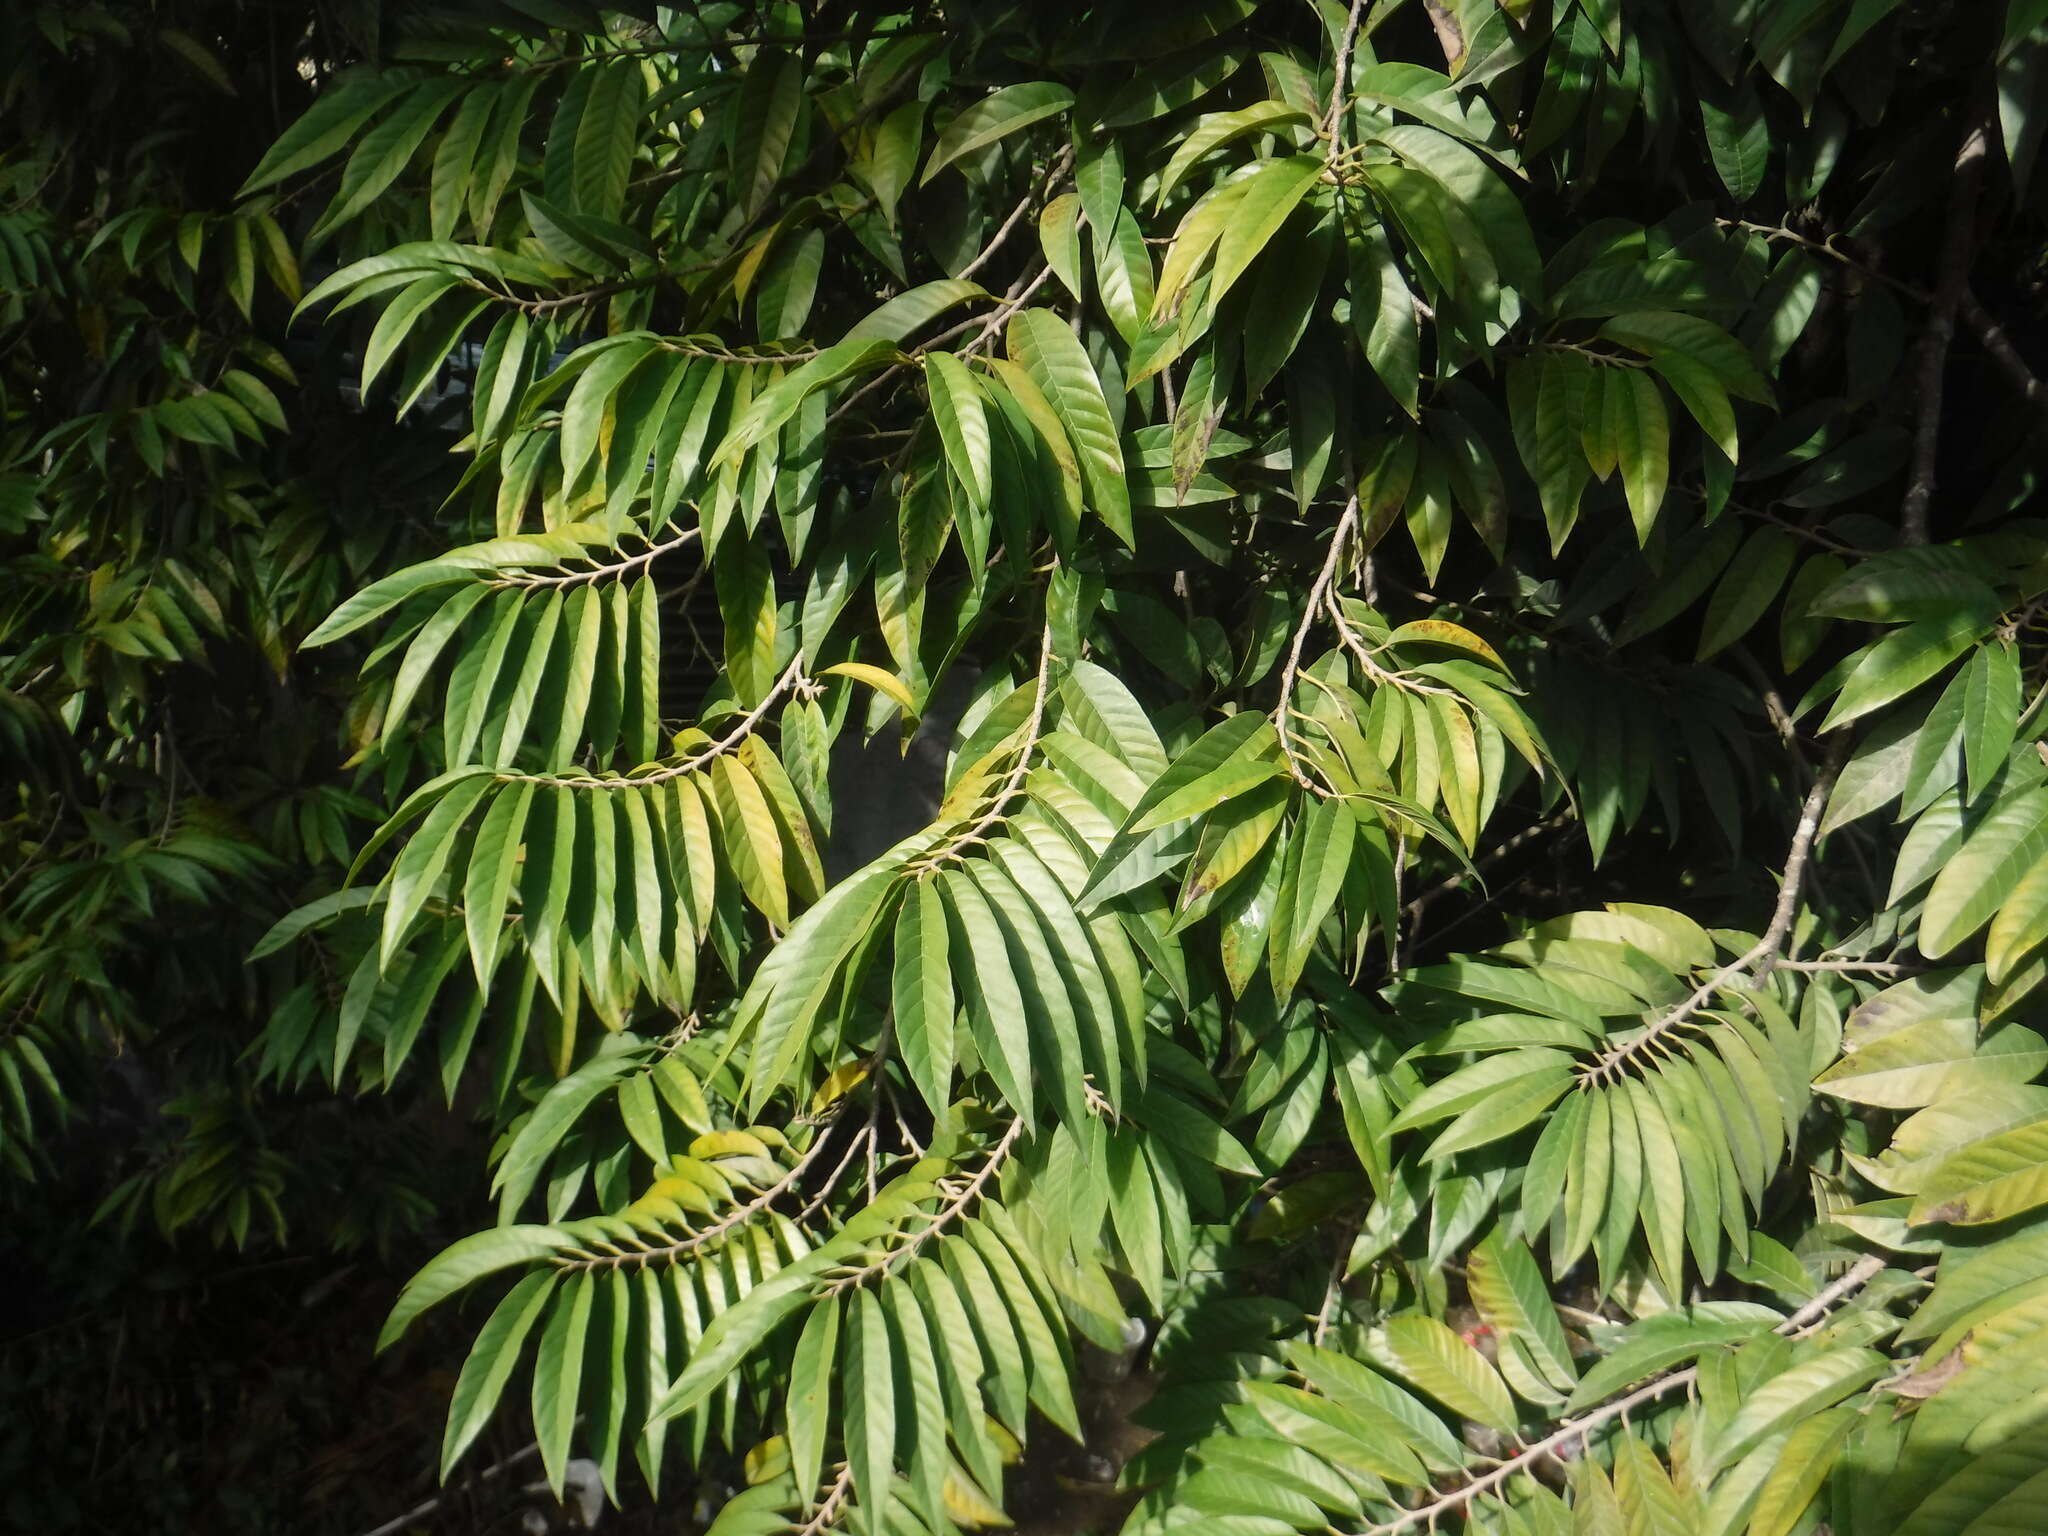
(1930, 1379)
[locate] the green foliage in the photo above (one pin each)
(1286, 471)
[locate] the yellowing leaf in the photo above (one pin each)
(882, 682)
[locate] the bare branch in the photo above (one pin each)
(1941, 329)
(2002, 352)
(1333, 116)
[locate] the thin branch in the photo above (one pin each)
(1827, 248)
(1333, 116)
(1008, 305)
(988, 252)
(1291, 673)
(1368, 663)
(2002, 352)
(1797, 858)
(1054, 172)
(1850, 967)
(568, 300)
(853, 1149)
(599, 572)
(1763, 954)
(792, 675)
(420, 1511)
(1996, 343)
(1333, 1287)
(755, 358)
(1521, 839)
(738, 1216)
(1012, 781)
(939, 1220)
(1574, 1431)
(827, 1513)
(1941, 329)
(1001, 315)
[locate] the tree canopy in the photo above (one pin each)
(1452, 591)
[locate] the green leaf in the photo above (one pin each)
(1481, 196)
(2020, 926)
(794, 984)
(1988, 1180)
(461, 1264)
(1059, 236)
(771, 410)
(1507, 1287)
(607, 134)
(418, 869)
(1271, 193)
(1902, 585)
(1036, 1318)
(492, 1359)
(385, 151)
(1739, 142)
(1435, 1360)
(1546, 396)
(1099, 178)
(1244, 734)
(1991, 711)
(2007, 843)
(1667, 1339)
(493, 866)
(1903, 660)
(1793, 1395)
(1641, 434)
(1053, 356)
(1481, 1082)
(869, 1399)
(1002, 1373)
(993, 117)
(558, 1374)
(1517, 1105)
(752, 841)
(995, 1002)
(559, 1108)
(328, 124)
(765, 113)
(1213, 130)
(1322, 842)
(960, 1377)
(1193, 1130)
(961, 416)
(885, 683)
(924, 1426)
(1874, 774)
(1669, 335)
(1931, 1059)
(923, 995)
(455, 159)
(1123, 276)
(1384, 317)
(1353, 1436)
(1747, 589)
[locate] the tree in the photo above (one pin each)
(1487, 874)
